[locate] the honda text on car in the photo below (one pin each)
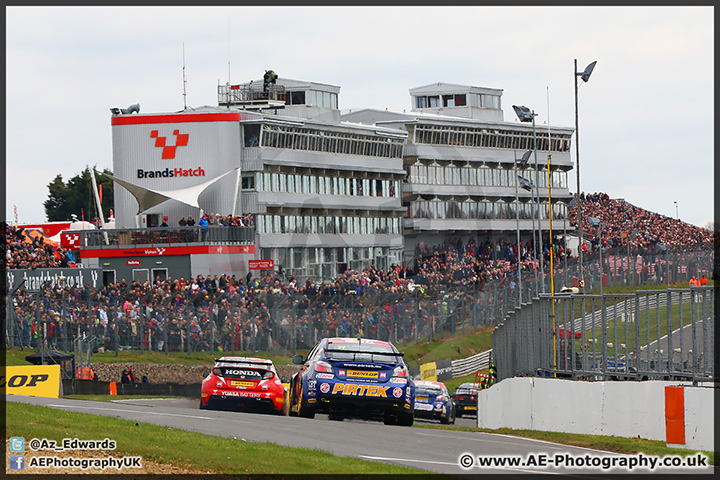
(353, 377)
(245, 384)
(432, 400)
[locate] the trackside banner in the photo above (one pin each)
(428, 372)
(32, 380)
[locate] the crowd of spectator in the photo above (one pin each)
(624, 223)
(255, 313)
(25, 251)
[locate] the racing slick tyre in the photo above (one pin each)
(293, 401)
(445, 420)
(337, 416)
(390, 419)
(406, 419)
(304, 410)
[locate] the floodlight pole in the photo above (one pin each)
(517, 228)
(537, 196)
(577, 172)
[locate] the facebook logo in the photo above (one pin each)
(17, 462)
(17, 444)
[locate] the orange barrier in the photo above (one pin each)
(113, 388)
(675, 415)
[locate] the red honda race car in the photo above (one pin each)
(243, 384)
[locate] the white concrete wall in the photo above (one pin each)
(699, 418)
(623, 409)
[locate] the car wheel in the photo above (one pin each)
(445, 420)
(406, 419)
(390, 419)
(458, 414)
(304, 410)
(336, 416)
(293, 401)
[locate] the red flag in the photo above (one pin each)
(100, 192)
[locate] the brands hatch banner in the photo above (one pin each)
(35, 279)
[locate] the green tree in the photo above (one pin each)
(76, 197)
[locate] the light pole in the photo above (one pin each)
(595, 222)
(585, 75)
(677, 216)
(527, 185)
(524, 114)
(523, 161)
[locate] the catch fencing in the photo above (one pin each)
(651, 334)
(273, 321)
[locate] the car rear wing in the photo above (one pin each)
(364, 352)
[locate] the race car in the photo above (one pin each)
(466, 399)
(432, 400)
(353, 377)
(243, 384)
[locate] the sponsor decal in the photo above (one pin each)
(242, 384)
(325, 375)
(360, 390)
(341, 372)
(383, 374)
(397, 392)
(34, 380)
(312, 384)
(132, 262)
(231, 394)
(324, 387)
(356, 373)
(423, 406)
(398, 380)
(168, 151)
(363, 365)
(241, 373)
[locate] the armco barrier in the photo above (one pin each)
(469, 365)
(92, 387)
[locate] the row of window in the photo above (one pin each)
(313, 98)
(323, 262)
(480, 175)
(297, 138)
(482, 210)
(458, 100)
(324, 185)
(309, 224)
(491, 138)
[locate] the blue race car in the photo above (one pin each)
(353, 377)
(432, 400)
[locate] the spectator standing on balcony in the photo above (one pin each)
(182, 221)
(203, 231)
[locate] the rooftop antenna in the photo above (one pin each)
(228, 52)
(184, 81)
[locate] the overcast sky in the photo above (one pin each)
(646, 115)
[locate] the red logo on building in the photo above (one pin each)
(168, 152)
(70, 240)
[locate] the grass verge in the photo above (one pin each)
(182, 448)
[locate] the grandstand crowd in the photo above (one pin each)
(230, 313)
